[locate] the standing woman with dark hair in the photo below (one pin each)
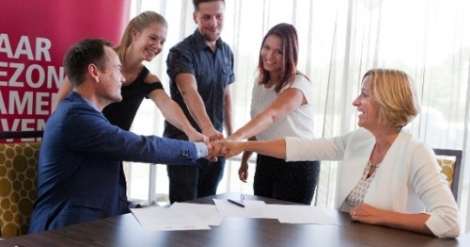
(281, 107)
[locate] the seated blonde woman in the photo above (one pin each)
(387, 176)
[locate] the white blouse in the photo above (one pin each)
(356, 197)
(298, 123)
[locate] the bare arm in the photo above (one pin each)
(188, 87)
(228, 111)
(275, 148)
(289, 100)
(371, 215)
(243, 170)
(173, 113)
(64, 90)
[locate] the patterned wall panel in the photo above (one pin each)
(18, 172)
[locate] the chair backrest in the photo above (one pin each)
(450, 161)
(18, 175)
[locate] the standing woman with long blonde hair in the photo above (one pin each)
(143, 40)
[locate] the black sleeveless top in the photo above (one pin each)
(122, 113)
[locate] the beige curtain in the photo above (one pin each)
(339, 41)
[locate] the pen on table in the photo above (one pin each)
(236, 203)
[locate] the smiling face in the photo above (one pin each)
(149, 42)
(210, 20)
(272, 55)
(111, 78)
(367, 106)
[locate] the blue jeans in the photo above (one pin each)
(287, 181)
(191, 182)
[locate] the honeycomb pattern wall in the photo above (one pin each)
(448, 169)
(18, 173)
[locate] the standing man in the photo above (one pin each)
(81, 152)
(200, 70)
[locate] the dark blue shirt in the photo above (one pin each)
(213, 72)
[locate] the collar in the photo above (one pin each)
(201, 43)
(74, 94)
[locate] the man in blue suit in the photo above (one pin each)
(78, 173)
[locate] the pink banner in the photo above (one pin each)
(34, 36)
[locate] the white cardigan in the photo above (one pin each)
(408, 179)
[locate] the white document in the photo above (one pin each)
(299, 214)
(252, 209)
(206, 212)
(164, 219)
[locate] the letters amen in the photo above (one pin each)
(27, 85)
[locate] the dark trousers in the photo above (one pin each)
(191, 182)
(287, 181)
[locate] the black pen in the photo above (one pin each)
(236, 203)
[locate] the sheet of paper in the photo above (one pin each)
(206, 212)
(164, 219)
(299, 214)
(252, 209)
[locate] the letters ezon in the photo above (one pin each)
(35, 75)
(28, 82)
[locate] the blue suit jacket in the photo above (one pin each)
(79, 165)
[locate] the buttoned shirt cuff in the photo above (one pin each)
(201, 149)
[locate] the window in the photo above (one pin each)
(339, 41)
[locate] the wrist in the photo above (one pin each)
(235, 137)
(207, 127)
(189, 130)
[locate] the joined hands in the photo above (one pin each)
(225, 147)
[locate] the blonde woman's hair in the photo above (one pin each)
(396, 95)
(138, 23)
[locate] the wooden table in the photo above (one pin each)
(241, 232)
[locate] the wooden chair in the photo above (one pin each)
(18, 175)
(450, 161)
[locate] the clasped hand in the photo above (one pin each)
(225, 147)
